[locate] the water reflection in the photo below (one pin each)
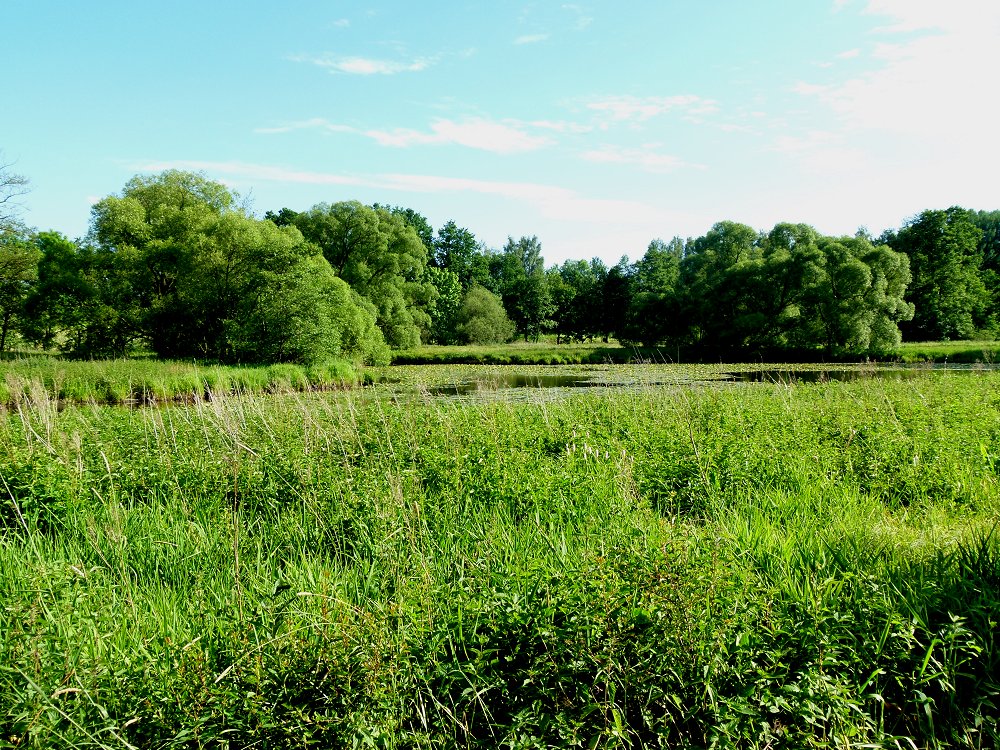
(500, 381)
(495, 382)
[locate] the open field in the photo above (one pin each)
(759, 566)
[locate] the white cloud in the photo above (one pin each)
(916, 128)
(508, 137)
(341, 23)
(487, 135)
(531, 38)
(582, 20)
(647, 157)
(560, 126)
(365, 65)
(936, 85)
(315, 123)
(849, 54)
(639, 109)
(551, 201)
(243, 171)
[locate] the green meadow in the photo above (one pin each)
(679, 564)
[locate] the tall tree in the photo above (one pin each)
(18, 273)
(382, 258)
(70, 304)
(525, 293)
(208, 280)
(447, 303)
(455, 248)
(12, 187)
(947, 291)
(719, 279)
(856, 304)
(654, 312)
(414, 219)
(989, 248)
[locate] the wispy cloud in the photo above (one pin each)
(341, 23)
(560, 126)
(638, 109)
(917, 84)
(552, 201)
(366, 66)
(582, 19)
(531, 38)
(260, 172)
(849, 54)
(314, 123)
(646, 157)
(507, 137)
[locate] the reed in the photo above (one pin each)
(762, 566)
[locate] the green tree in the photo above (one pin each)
(414, 219)
(719, 279)
(857, 303)
(989, 249)
(18, 273)
(448, 301)
(208, 280)
(482, 319)
(456, 249)
(69, 307)
(523, 286)
(563, 297)
(616, 298)
(382, 258)
(947, 291)
(282, 218)
(654, 308)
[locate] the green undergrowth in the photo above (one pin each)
(550, 353)
(543, 353)
(771, 566)
(963, 352)
(149, 381)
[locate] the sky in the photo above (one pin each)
(596, 126)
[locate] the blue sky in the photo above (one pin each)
(595, 125)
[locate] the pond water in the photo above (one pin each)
(492, 382)
(495, 381)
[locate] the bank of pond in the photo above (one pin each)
(151, 382)
(802, 561)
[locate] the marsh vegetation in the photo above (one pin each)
(757, 565)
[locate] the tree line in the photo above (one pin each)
(177, 265)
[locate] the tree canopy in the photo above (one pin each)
(178, 264)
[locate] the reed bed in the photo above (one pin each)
(761, 566)
(148, 381)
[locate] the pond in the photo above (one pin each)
(503, 382)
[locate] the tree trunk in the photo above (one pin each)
(3, 331)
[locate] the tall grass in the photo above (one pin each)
(144, 381)
(766, 566)
(965, 352)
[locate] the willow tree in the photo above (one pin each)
(382, 258)
(209, 280)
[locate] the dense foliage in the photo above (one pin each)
(175, 264)
(755, 567)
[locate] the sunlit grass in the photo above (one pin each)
(142, 381)
(809, 565)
